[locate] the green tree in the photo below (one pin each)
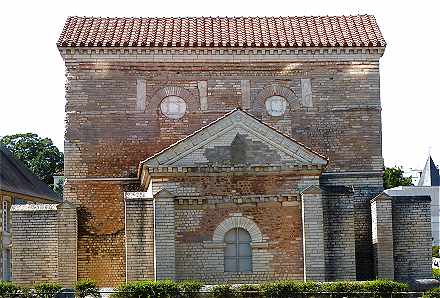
(393, 177)
(40, 155)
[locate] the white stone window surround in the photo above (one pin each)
(258, 244)
(276, 100)
(276, 105)
(173, 107)
(172, 93)
(236, 220)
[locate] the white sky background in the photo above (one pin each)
(32, 71)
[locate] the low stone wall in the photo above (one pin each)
(44, 243)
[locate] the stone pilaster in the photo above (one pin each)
(313, 234)
(164, 236)
(139, 233)
(67, 244)
(382, 236)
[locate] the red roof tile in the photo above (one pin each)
(325, 31)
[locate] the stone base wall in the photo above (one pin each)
(365, 186)
(382, 236)
(44, 244)
(339, 235)
(412, 237)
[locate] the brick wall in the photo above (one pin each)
(346, 106)
(101, 235)
(280, 257)
(313, 233)
(108, 132)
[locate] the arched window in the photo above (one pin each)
(238, 252)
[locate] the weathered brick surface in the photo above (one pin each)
(101, 243)
(107, 134)
(345, 106)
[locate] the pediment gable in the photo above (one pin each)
(236, 139)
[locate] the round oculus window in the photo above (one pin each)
(276, 105)
(173, 107)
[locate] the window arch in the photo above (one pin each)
(238, 251)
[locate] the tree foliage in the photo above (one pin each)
(393, 177)
(40, 155)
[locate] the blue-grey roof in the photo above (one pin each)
(430, 175)
(17, 178)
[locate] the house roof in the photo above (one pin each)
(275, 32)
(430, 174)
(18, 179)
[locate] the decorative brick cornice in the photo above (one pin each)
(96, 54)
(238, 199)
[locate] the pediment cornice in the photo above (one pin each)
(189, 155)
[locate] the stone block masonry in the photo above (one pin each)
(339, 231)
(412, 237)
(382, 236)
(139, 233)
(401, 236)
(50, 255)
(164, 236)
(313, 233)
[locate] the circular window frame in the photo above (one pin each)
(173, 116)
(272, 112)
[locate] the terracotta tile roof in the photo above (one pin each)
(320, 31)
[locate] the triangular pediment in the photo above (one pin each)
(236, 139)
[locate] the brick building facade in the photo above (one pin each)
(223, 149)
